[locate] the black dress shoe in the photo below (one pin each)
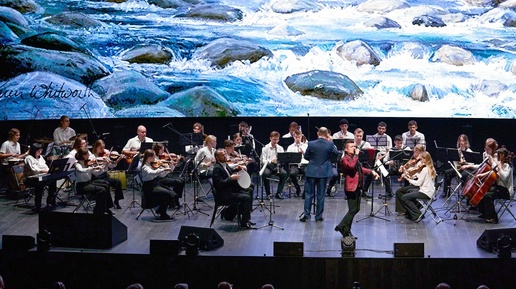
(247, 226)
(117, 205)
(165, 217)
(109, 212)
(366, 195)
(303, 219)
(319, 219)
(279, 196)
(251, 223)
(492, 221)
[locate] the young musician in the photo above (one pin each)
(78, 144)
(354, 174)
(155, 193)
(64, 132)
(102, 154)
(394, 165)
(413, 133)
(84, 169)
(11, 148)
(297, 169)
(449, 174)
(424, 180)
(245, 132)
(292, 128)
(270, 166)
(35, 164)
(205, 157)
(501, 189)
(343, 133)
(408, 168)
(170, 181)
(225, 181)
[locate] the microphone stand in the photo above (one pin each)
(97, 136)
(195, 174)
(31, 126)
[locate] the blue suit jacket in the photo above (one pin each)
(318, 154)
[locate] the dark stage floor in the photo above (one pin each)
(448, 239)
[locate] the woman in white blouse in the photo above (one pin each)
(35, 164)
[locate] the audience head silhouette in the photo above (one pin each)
(135, 286)
(442, 286)
(224, 285)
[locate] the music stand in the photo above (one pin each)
(339, 143)
(473, 157)
(145, 146)
(190, 139)
(197, 199)
(286, 141)
(271, 200)
(412, 141)
(376, 141)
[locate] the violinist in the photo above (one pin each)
(462, 146)
(501, 189)
(169, 160)
(297, 169)
(424, 181)
(205, 157)
(79, 143)
(155, 193)
(84, 170)
(101, 155)
(407, 170)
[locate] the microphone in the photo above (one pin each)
(167, 124)
(316, 128)
(83, 106)
(106, 133)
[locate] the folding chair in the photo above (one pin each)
(426, 204)
(86, 201)
(220, 205)
(504, 207)
(137, 185)
(21, 191)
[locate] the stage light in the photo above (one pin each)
(503, 246)
(347, 245)
(192, 243)
(44, 241)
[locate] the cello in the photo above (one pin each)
(475, 188)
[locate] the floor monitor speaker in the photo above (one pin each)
(17, 243)
(209, 238)
(82, 230)
(487, 240)
(414, 250)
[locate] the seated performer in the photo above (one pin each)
(393, 165)
(354, 174)
(408, 169)
(413, 133)
(132, 147)
(343, 132)
(297, 169)
(192, 149)
(270, 165)
(78, 144)
(245, 132)
(35, 164)
(102, 154)
(64, 132)
(449, 174)
(11, 148)
(225, 181)
(84, 169)
(155, 193)
(169, 181)
(292, 128)
(501, 189)
(424, 181)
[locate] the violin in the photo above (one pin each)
(410, 164)
(159, 164)
(411, 172)
(97, 162)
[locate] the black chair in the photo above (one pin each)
(20, 191)
(137, 185)
(220, 205)
(87, 201)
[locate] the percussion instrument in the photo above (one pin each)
(44, 140)
(245, 179)
(81, 135)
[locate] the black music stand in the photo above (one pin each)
(272, 206)
(339, 143)
(185, 208)
(197, 199)
(289, 158)
(412, 141)
(376, 141)
(286, 141)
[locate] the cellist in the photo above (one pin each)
(501, 189)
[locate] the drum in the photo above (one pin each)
(120, 175)
(245, 179)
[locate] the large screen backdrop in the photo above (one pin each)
(192, 58)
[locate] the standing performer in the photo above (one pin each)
(424, 180)
(64, 133)
(354, 174)
(501, 189)
(292, 128)
(270, 165)
(297, 169)
(225, 181)
(155, 193)
(319, 169)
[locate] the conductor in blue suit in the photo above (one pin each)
(319, 169)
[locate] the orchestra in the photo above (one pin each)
(481, 182)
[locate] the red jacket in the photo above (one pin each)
(351, 174)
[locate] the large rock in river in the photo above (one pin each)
(453, 55)
(358, 51)
(323, 84)
(151, 53)
(128, 88)
(9, 15)
(224, 51)
(381, 6)
(214, 12)
(381, 22)
(73, 20)
(52, 41)
(54, 95)
(23, 6)
(201, 101)
(7, 36)
(291, 6)
(21, 59)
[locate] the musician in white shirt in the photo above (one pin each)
(343, 133)
(133, 145)
(293, 127)
(64, 132)
(297, 169)
(414, 134)
(35, 164)
(205, 157)
(11, 147)
(270, 166)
